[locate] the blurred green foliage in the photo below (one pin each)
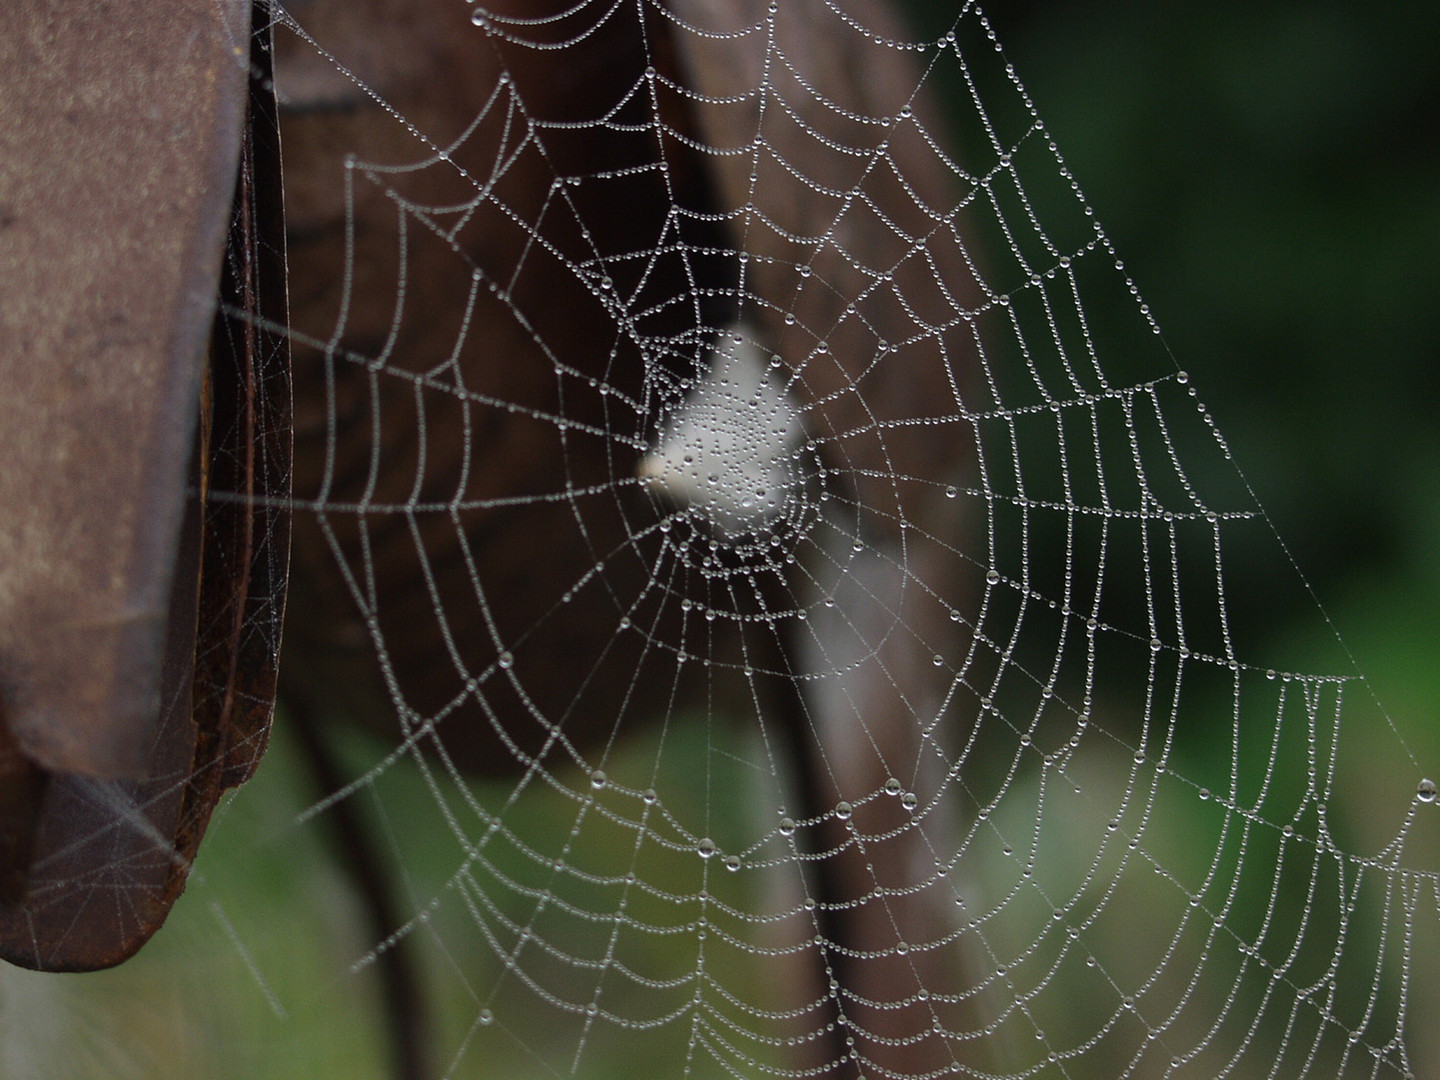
(1271, 175)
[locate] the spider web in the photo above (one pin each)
(793, 631)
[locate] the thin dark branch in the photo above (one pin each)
(354, 844)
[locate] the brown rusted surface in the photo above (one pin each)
(122, 144)
(119, 135)
(247, 516)
(104, 868)
(22, 791)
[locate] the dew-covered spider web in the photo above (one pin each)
(769, 583)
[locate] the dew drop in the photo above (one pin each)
(909, 800)
(507, 661)
(486, 1016)
(598, 779)
(843, 811)
(650, 796)
(951, 492)
(732, 863)
(706, 848)
(993, 577)
(1426, 790)
(893, 786)
(787, 826)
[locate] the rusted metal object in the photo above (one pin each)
(120, 142)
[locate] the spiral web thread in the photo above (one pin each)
(1152, 842)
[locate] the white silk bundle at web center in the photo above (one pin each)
(729, 449)
(794, 519)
